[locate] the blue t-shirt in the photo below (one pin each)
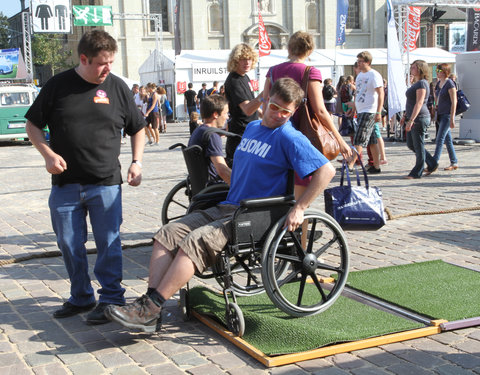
(411, 95)
(263, 158)
(443, 97)
(212, 146)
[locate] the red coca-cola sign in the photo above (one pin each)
(412, 29)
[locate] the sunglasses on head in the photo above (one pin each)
(439, 70)
(284, 112)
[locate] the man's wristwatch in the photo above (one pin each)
(139, 163)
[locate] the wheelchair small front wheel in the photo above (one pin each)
(176, 202)
(184, 305)
(315, 270)
(235, 320)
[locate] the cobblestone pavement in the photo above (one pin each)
(32, 342)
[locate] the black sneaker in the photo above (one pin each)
(373, 170)
(70, 310)
(97, 316)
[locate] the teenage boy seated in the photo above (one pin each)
(269, 148)
(214, 111)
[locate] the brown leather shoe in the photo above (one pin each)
(428, 172)
(142, 314)
(452, 167)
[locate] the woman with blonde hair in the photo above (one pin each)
(417, 118)
(242, 103)
(153, 112)
(300, 46)
(446, 100)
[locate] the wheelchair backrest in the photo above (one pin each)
(197, 167)
(254, 223)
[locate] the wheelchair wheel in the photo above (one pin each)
(176, 202)
(235, 320)
(184, 305)
(306, 286)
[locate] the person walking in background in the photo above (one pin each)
(213, 90)
(148, 129)
(202, 94)
(162, 94)
(368, 105)
(239, 92)
(153, 112)
(190, 99)
(338, 101)
(446, 99)
(417, 119)
(86, 109)
(329, 96)
(222, 90)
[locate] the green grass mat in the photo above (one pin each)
(436, 289)
(274, 332)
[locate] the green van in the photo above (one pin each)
(15, 100)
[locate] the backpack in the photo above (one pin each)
(328, 92)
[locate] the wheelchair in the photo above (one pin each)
(262, 256)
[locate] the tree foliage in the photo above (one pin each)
(4, 32)
(48, 49)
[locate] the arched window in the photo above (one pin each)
(215, 23)
(312, 17)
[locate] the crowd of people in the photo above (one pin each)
(87, 108)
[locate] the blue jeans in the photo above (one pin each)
(444, 135)
(416, 143)
(69, 206)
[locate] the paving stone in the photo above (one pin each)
(287, 369)
(408, 368)
(74, 356)
(51, 369)
(148, 357)
(37, 359)
(167, 368)
(92, 367)
(112, 360)
(452, 370)
(227, 360)
(469, 346)
(188, 359)
(128, 370)
(208, 369)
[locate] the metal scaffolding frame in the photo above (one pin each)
(27, 44)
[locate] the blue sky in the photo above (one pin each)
(10, 7)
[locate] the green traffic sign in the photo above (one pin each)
(89, 15)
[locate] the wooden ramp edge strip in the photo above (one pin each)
(320, 352)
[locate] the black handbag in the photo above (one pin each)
(462, 103)
(355, 207)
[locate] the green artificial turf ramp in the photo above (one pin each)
(435, 289)
(274, 332)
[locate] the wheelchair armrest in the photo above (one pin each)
(216, 196)
(268, 201)
(177, 145)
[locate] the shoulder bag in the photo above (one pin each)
(462, 103)
(355, 207)
(311, 126)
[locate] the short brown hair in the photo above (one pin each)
(288, 90)
(300, 44)
(239, 52)
(95, 41)
(211, 104)
(365, 56)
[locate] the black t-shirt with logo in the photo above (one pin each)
(85, 122)
(237, 90)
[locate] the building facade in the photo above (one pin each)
(221, 24)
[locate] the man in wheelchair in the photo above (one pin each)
(214, 110)
(269, 149)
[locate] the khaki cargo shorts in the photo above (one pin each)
(202, 235)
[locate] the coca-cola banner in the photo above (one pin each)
(473, 29)
(264, 43)
(412, 29)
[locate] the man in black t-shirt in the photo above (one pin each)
(190, 99)
(86, 109)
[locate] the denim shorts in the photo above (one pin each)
(201, 235)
